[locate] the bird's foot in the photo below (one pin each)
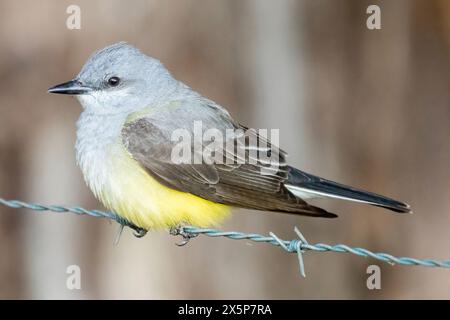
(179, 231)
(137, 231)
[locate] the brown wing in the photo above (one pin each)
(239, 179)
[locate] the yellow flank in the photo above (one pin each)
(135, 195)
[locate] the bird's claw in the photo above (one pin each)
(139, 232)
(179, 231)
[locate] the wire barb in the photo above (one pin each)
(299, 246)
(294, 246)
(119, 234)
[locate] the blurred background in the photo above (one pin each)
(369, 108)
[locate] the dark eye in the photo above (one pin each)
(114, 81)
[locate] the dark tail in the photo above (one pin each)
(301, 183)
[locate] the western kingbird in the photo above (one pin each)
(132, 105)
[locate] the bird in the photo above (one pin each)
(132, 106)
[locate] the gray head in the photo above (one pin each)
(119, 79)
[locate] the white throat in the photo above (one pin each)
(97, 135)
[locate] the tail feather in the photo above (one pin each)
(304, 184)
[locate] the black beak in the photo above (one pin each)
(74, 87)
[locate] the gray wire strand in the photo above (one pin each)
(299, 245)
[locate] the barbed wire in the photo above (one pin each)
(299, 245)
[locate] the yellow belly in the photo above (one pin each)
(135, 195)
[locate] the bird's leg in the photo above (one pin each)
(179, 231)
